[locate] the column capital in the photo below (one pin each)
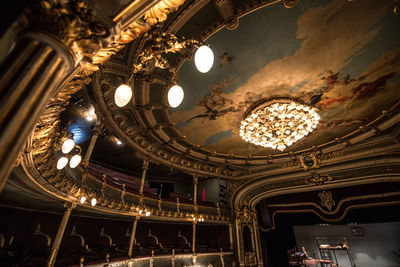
(73, 24)
(145, 165)
(70, 205)
(98, 128)
(195, 179)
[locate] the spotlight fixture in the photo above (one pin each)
(83, 199)
(123, 95)
(62, 162)
(175, 96)
(67, 146)
(204, 58)
(75, 160)
(93, 202)
(278, 123)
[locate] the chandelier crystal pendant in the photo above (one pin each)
(278, 123)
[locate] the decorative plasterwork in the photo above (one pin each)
(327, 200)
(354, 171)
(164, 144)
(38, 160)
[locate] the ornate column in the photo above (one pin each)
(257, 241)
(89, 151)
(60, 233)
(145, 168)
(132, 239)
(194, 237)
(57, 37)
(195, 182)
(239, 240)
(29, 76)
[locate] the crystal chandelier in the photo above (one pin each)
(278, 123)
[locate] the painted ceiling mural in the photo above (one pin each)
(341, 57)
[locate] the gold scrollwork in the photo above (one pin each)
(327, 200)
(318, 179)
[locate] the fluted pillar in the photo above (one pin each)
(132, 239)
(60, 233)
(29, 77)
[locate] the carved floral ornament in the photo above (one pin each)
(327, 200)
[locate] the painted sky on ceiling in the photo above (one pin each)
(340, 57)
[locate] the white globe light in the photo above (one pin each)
(83, 199)
(148, 213)
(75, 160)
(93, 202)
(123, 95)
(204, 58)
(62, 162)
(67, 146)
(175, 96)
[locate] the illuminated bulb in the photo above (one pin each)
(175, 96)
(279, 125)
(140, 212)
(62, 162)
(93, 202)
(67, 146)
(75, 160)
(119, 142)
(147, 213)
(123, 95)
(204, 59)
(89, 118)
(83, 199)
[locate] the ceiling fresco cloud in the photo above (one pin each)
(340, 57)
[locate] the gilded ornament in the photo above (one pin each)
(326, 200)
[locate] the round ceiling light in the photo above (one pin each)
(67, 146)
(75, 160)
(175, 96)
(279, 123)
(62, 162)
(204, 58)
(123, 95)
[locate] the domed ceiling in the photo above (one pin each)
(339, 57)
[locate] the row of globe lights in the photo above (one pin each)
(203, 59)
(67, 146)
(93, 202)
(279, 125)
